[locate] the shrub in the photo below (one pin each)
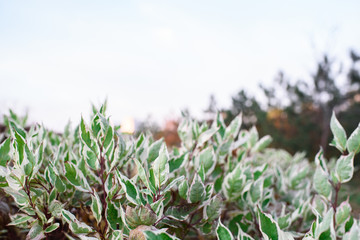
(95, 183)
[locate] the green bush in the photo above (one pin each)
(95, 183)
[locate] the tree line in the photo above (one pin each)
(297, 113)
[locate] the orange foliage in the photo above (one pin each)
(169, 133)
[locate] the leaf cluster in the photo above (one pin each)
(223, 182)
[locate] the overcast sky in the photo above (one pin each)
(158, 57)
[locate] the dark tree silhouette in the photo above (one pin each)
(297, 114)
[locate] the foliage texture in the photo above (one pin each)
(222, 182)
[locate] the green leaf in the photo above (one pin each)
(220, 124)
(153, 235)
(55, 208)
(205, 136)
(15, 179)
(268, 226)
(256, 190)
(20, 147)
(345, 168)
(325, 225)
(206, 228)
(234, 127)
(109, 137)
(218, 183)
(342, 212)
(158, 207)
(213, 209)
(36, 232)
(96, 206)
(142, 149)
(15, 128)
(242, 235)
(180, 212)
(183, 189)
(4, 152)
(201, 173)
(19, 196)
(326, 235)
(185, 133)
(320, 161)
(284, 221)
(39, 155)
(91, 160)
(353, 234)
(29, 164)
(52, 195)
(76, 177)
(225, 147)
(85, 134)
(52, 227)
(143, 177)
(177, 162)
(321, 183)
(262, 144)
(258, 171)
(233, 183)
(353, 143)
(208, 159)
(154, 150)
(140, 215)
(349, 224)
(338, 132)
(197, 190)
(117, 235)
(96, 126)
(222, 232)
(113, 215)
(152, 182)
(131, 191)
(59, 185)
(319, 204)
(209, 189)
(298, 175)
(253, 137)
(50, 175)
(76, 226)
(41, 215)
(161, 167)
(196, 129)
(20, 220)
(140, 140)
(71, 174)
(172, 183)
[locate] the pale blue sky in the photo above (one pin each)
(157, 57)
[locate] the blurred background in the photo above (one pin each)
(285, 64)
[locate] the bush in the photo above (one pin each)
(95, 183)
